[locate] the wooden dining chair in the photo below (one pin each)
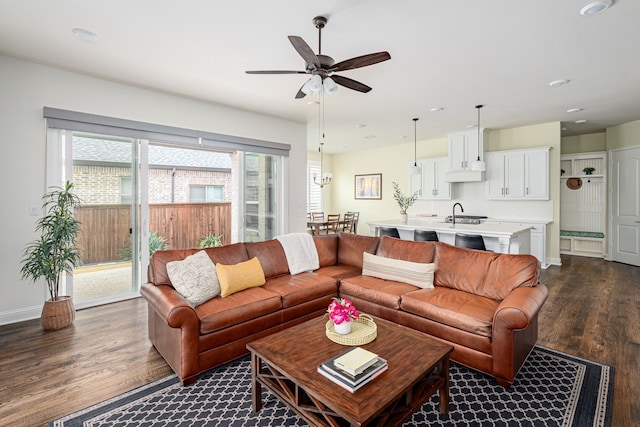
(347, 223)
(333, 222)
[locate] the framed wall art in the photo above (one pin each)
(368, 187)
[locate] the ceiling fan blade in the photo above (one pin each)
(361, 61)
(300, 93)
(305, 51)
(350, 83)
(276, 72)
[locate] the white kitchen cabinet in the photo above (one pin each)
(464, 148)
(518, 174)
(430, 184)
(538, 245)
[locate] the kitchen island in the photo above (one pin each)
(507, 238)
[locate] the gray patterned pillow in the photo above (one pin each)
(195, 278)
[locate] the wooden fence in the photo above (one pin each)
(105, 228)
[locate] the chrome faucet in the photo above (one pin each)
(453, 216)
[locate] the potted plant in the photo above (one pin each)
(588, 170)
(210, 241)
(342, 312)
(55, 253)
(403, 201)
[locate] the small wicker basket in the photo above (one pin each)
(363, 331)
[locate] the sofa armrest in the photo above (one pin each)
(515, 330)
(170, 305)
(518, 309)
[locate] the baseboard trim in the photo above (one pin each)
(15, 316)
(554, 261)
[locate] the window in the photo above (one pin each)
(206, 193)
(314, 192)
(126, 190)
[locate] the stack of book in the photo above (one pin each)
(353, 368)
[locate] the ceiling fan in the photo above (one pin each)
(322, 67)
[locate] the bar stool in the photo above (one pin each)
(389, 231)
(470, 241)
(425, 236)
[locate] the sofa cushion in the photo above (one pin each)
(158, 266)
(271, 256)
(462, 269)
(459, 309)
(228, 254)
(219, 313)
(352, 246)
(327, 247)
(407, 250)
(302, 287)
(488, 274)
(195, 278)
(414, 273)
(509, 272)
(237, 277)
(339, 271)
(387, 293)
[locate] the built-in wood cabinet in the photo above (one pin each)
(518, 174)
(430, 184)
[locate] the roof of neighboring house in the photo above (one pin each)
(109, 151)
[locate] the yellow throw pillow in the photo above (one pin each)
(244, 275)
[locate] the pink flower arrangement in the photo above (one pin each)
(342, 310)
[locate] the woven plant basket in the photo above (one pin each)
(58, 314)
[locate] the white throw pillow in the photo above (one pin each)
(414, 273)
(195, 278)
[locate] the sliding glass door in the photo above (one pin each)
(105, 174)
(147, 187)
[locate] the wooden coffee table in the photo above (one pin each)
(286, 364)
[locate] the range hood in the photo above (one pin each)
(464, 175)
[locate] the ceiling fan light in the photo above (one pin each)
(315, 83)
(306, 89)
(330, 87)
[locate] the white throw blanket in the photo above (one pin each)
(300, 251)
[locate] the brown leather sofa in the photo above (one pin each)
(484, 304)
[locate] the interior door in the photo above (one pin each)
(625, 206)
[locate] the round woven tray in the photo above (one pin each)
(363, 331)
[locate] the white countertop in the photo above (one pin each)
(489, 228)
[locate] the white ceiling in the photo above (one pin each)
(452, 54)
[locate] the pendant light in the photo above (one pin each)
(415, 169)
(479, 165)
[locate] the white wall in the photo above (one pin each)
(25, 88)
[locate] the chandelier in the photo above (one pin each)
(325, 177)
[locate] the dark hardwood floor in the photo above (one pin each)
(593, 312)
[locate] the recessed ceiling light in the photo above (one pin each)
(472, 125)
(370, 137)
(403, 137)
(436, 109)
(361, 126)
(574, 110)
(563, 128)
(557, 83)
(595, 7)
(313, 103)
(84, 35)
(580, 121)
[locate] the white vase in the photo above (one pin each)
(343, 328)
(404, 218)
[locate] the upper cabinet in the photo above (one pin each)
(518, 174)
(431, 184)
(464, 149)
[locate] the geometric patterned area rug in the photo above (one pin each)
(552, 389)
